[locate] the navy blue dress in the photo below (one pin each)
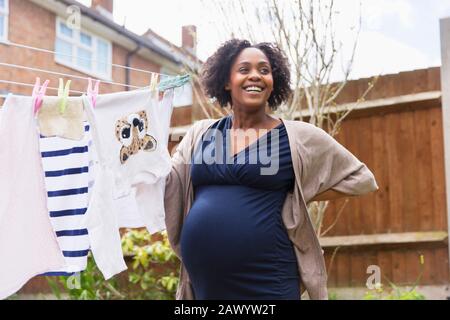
(233, 243)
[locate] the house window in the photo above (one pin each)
(4, 12)
(82, 51)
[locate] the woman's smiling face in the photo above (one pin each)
(251, 81)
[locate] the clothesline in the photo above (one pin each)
(4, 95)
(64, 74)
(51, 88)
(32, 85)
(85, 59)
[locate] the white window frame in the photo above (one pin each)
(5, 12)
(75, 41)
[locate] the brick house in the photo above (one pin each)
(45, 24)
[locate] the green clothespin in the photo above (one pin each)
(153, 81)
(174, 82)
(63, 94)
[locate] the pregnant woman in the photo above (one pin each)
(236, 196)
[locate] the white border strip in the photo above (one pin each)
(445, 87)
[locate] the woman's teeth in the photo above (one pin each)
(257, 89)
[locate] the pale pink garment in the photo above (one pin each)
(28, 245)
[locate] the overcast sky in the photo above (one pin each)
(397, 35)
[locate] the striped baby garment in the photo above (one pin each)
(67, 166)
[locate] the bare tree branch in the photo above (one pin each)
(336, 219)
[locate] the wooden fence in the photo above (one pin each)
(401, 141)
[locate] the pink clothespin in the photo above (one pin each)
(38, 93)
(93, 92)
(36, 87)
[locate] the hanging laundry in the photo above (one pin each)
(128, 212)
(64, 122)
(81, 211)
(101, 223)
(28, 245)
(150, 204)
(150, 197)
(145, 208)
(66, 167)
(129, 131)
(128, 160)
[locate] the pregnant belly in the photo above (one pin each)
(232, 226)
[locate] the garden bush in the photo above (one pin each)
(152, 273)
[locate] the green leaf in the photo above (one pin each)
(54, 287)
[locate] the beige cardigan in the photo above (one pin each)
(319, 163)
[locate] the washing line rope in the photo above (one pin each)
(64, 74)
(32, 85)
(85, 59)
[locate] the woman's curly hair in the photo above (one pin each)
(216, 71)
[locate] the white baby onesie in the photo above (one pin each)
(142, 175)
(130, 133)
(131, 147)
